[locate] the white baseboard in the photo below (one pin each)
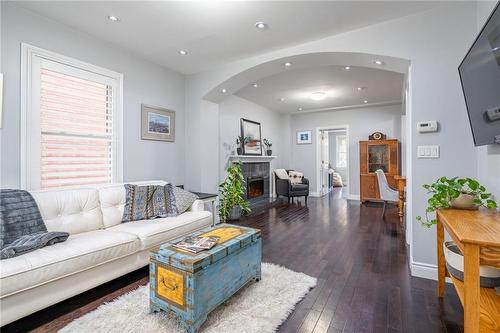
(353, 197)
(426, 271)
(314, 194)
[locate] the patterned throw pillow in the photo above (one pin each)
(147, 202)
(296, 177)
(183, 199)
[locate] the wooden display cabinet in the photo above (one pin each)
(374, 155)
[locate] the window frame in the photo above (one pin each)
(337, 151)
(30, 128)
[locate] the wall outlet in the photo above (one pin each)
(427, 151)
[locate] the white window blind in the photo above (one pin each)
(341, 150)
(72, 124)
(76, 131)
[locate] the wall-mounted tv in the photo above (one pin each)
(480, 76)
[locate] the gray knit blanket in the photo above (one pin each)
(22, 229)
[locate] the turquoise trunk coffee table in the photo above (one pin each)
(191, 285)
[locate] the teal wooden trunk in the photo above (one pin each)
(190, 285)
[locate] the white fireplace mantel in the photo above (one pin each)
(251, 158)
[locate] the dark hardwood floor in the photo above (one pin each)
(360, 260)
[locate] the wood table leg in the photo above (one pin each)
(471, 288)
(401, 205)
(440, 258)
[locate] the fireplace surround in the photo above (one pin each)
(256, 175)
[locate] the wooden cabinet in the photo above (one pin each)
(374, 155)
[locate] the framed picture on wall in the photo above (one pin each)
(304, 137)
(250, 130)
(157, 123)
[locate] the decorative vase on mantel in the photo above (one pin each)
(269, 152)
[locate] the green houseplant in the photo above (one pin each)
(268, 145)
(462, 193)
(232, 190)
(240, 142)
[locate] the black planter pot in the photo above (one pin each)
(239, 151)
(234, 213)
(269, 152)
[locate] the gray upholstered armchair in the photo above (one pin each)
(285, 187)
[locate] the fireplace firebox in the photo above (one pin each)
(255, 187)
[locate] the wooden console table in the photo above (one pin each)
(477, 234)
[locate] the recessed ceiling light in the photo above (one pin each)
(365, 102)
(183, 52)
(255, 85)
(318, 96)
(261, 25)
(288, 64)
(378, 62)
(223, 90)
(113, 18)
(347, 68)
(282, 99)
(300, 109)
(360, 88)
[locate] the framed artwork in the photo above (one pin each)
(157, 123)
(251, 131)
(304, 137)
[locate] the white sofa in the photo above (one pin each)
(100, 248)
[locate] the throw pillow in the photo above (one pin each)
(148, 202)
(183, 199)
(296, 177)
(162, 202)
(281, 174)
(136, 201)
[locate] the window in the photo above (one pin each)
(341, 151)
(72, 123)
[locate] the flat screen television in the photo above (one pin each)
(480, 77)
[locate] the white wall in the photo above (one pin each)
(274, 126)
(144, 82)
(435, 48)
(332, 155)
(361, 122)
(488, 157)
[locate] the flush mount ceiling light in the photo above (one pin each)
(261, 25)
(288, 64)
(318, 96)
(113, 18)
(282, 99)
(378, 62)
(255, 85)
(300, 109)
(223, 90)
(360, 88)
(347, 68)
(365, 102)
(183, 52)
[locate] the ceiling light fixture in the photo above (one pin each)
(378, 62)
(365, 102)
(183, 52)
(300, 109)
(223, 90)
(318, 96)
(113, 18)
(261, 25)
(255, 85)
(360, 88)
(282, 99)
(347, 68)
(288, 64)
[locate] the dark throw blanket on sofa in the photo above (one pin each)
(22, 228)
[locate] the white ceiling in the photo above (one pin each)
(217, 32)
(340, 85)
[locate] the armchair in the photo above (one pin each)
(285, 187)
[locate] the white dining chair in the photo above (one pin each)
(387, 194)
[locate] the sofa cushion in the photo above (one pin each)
(299, 187)
(281, 174)
(296, 177)
(112, 198)
(157, 231)
(73, 211)
(80, 252)
(183, 199)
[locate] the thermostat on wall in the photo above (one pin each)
(427, 126)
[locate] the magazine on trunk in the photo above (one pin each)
(196, 244)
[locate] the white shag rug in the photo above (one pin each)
(258, 308)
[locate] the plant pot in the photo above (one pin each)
(464, 201)
(269, 152)
(239, 151)
(489, 277)
(234, 213)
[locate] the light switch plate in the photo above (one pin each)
(427, 151)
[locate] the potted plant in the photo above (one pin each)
(232, 204)
(461, 193)
(240, 142)
(268, 145)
